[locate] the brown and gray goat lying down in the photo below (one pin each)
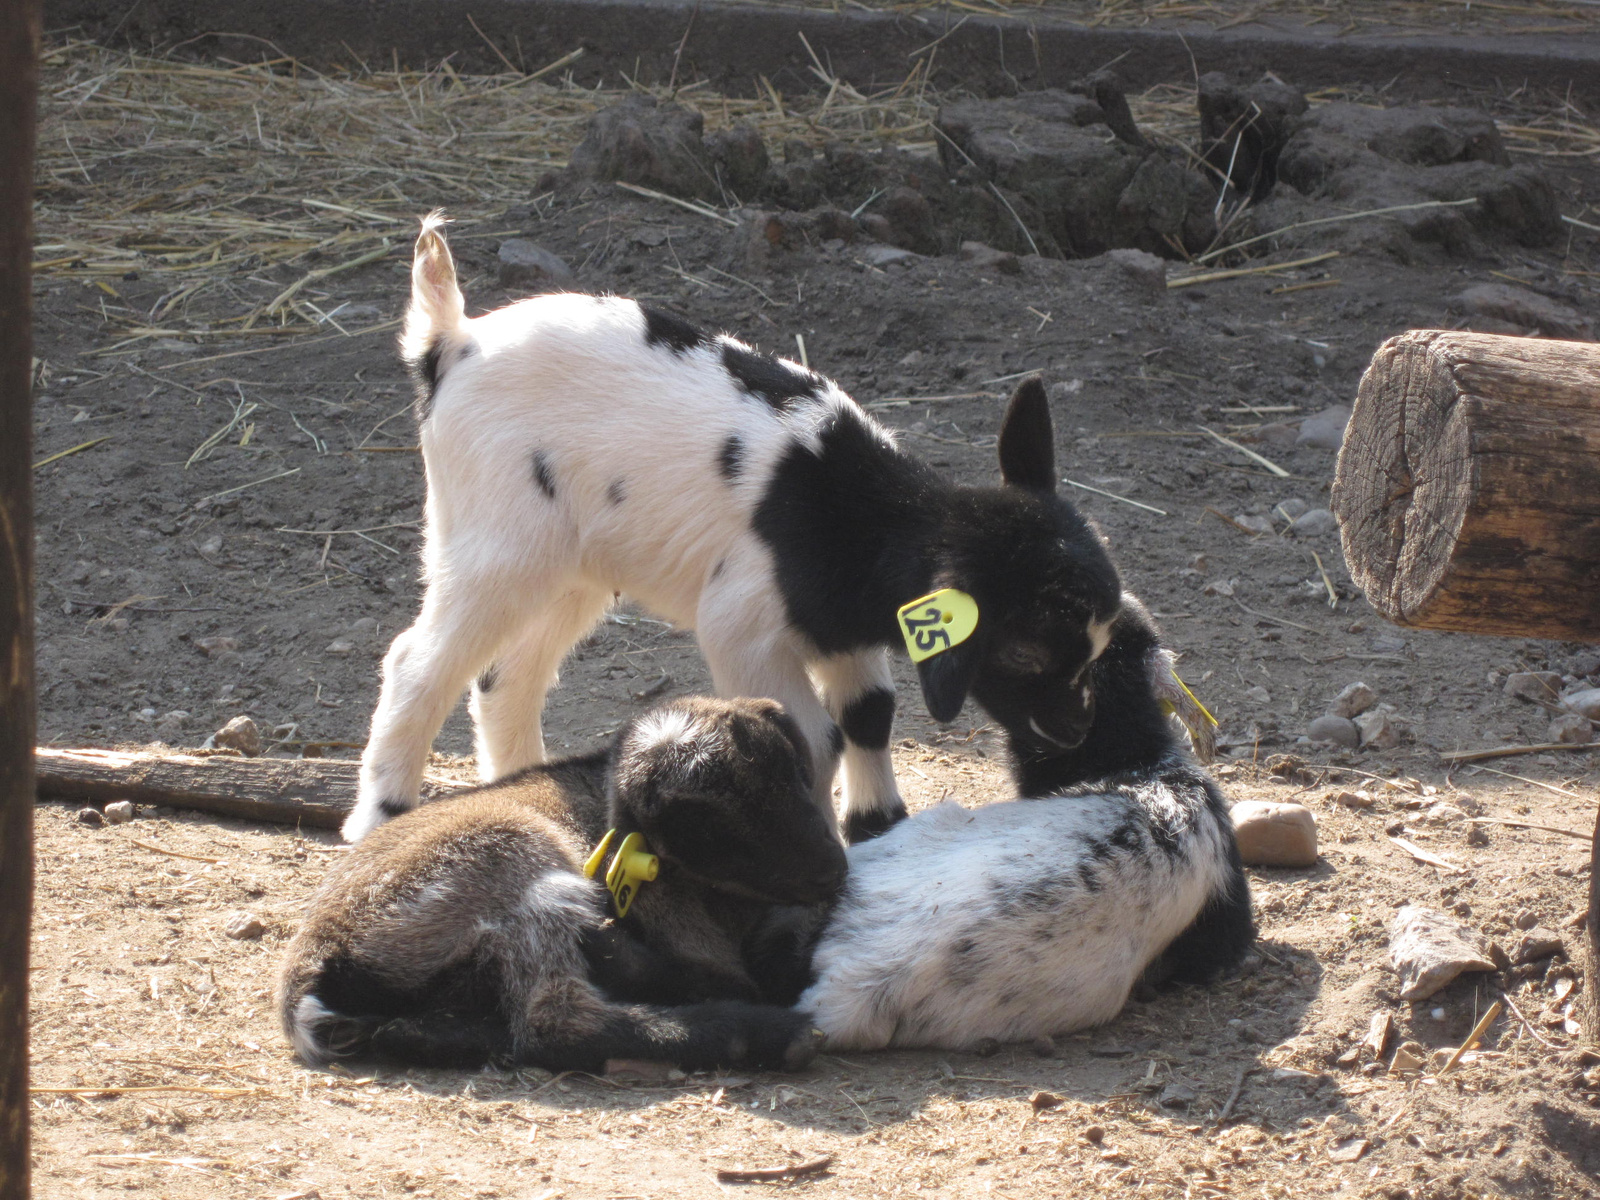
(466, 932)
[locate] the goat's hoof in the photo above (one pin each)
(804, 1049)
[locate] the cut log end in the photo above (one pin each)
(1468, 486)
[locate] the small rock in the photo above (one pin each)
(1526, 919)
(1258, 695)
(1571, 730)
(1348, 1150)
(364, 627)
(1356, 800)
(1476, 835)
(1408, 1058)
(214, 647)
(1255, 524)
(91, 817)
(1291, 508)
(244, 927)
(1148, 271)
(212, 546)
(1218, 587)
(239, 734)
(1354, 700)
(1271, 834)
(1339, 730)
(1444, 814)
(1585, 703)
(1095, 1134)
(1534, 685)
(1378, 730)
(1040, 1101)
(883, 256)
(1378, 1031)
(526, 264)
(339, 646)
(1276, 433)
(1524, 308)
(1177, 1095)
(172, 722)
(1429, 949)
(1317, 522)
(119, 812)
(1535, 944)
(987, 258)
(1325, 430)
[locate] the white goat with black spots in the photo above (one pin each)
(582, 446)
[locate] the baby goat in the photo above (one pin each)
(582, 446)
(1037, 916)
(466, 931)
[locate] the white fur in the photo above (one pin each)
(515, 577)
(305, 1025)
(958, 925)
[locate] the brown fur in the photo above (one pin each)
(464, 931)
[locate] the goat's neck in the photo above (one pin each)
(1130, 735)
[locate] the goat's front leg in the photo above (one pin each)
(751, 652)
(859, 693)
(463, 623)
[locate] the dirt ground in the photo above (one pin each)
(243, 540)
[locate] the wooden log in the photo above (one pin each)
(19, 81)
(1468, 486)
(285, 791)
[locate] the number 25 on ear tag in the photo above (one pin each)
(937, 622)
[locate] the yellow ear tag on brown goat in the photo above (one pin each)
(632, 866)
(592, 865)
(937, 622)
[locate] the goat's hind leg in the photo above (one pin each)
(508, 696)
(859, 693)
(464, 622)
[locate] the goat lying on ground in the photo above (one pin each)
(581, 446)
(1036, 916)
(466, 932)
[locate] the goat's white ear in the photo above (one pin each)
(1027, 439)
(946, 679)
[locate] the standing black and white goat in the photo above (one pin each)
(1037, 916)
(467, 931)
(581, 446)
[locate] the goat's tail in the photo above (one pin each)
(318, 1032)
(437, 310)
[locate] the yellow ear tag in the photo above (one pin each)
(599, 855)
(937, 622)
(632, 866)
(1169, 708)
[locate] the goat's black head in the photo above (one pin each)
(721, 789)
(1046, 589)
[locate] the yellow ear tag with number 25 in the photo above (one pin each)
(937, 622)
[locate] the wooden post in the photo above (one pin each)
(1468, 498)
(1468, 486)
(19, 66)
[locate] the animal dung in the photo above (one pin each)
(1429, 949)
(1273, 834)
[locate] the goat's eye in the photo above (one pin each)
(1025, 658)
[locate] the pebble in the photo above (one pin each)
(987, 258)
(1325, 430)
(119, 812)
(1341, 731)
(1095, 1134)
(172, 722)
(1218, 587)
(1571, 730)
(1348, 1150)
(1354, 700)
(339, 646)
(244, 927)
(1177, 1095)
(524, 263)
(1273, 834)
(1533, 685)
(91, 817)
(1316, 522)
(1378, 730)
(1409, 1057)
(1040, 1101)
(239, 734)
(883, 256)
(1429, 949)
(1537, 943)
(1361, 799)
(1526, 919)
(1258, 694)
(1291, 508)
(1444, 814)
(212, 546)
(364, 627)
(1255, 524)
(213, 647)
(1585, 703)
(1148, 271)
(1477, 835)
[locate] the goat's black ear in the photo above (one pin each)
(947, 678)
(1028, 440)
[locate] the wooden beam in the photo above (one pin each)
(1468, 486)
(19, 68)
(286, 791)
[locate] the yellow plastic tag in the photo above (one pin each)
(1169, 708)
(593, 864)
(632, 866)
(937, 622)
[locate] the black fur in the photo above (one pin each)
(393, 808)
(543, 474)
(860, 826)
(616, 492)
(768, 379)
(487, 680)
(869, 719)
(835, 740)
(730, 459)
(424, 374)
(671, 331)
